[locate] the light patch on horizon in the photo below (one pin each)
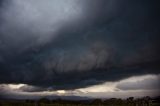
(16, 86)
(61, 92)
(108, 89)
(112, 86)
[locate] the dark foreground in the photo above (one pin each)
(146, 101)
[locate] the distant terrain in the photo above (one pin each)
(131, 101)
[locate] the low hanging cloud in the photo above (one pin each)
(139, 86)
(150, 83)
(70, 44)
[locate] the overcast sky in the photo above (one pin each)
(93, 48)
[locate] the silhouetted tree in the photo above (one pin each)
(147, 100)
(44, 100)
(97, 102)
(130, 101)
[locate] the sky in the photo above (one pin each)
(84, 48)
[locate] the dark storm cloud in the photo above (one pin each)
(68, 45)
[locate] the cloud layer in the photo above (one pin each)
(134, 86)
(71, 44)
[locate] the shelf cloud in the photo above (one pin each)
(72, 44)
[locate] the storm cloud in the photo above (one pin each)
(70, 44)
(137, 86)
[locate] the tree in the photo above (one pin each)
(97, 101)
(44, 100)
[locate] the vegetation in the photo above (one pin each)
(146, 101)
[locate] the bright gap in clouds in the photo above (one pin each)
(16, 86)
(108, 89)
(112, 86)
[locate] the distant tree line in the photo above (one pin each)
(131, 101)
